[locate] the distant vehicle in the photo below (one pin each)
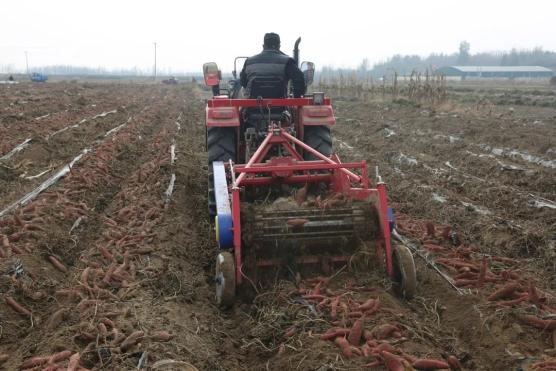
(170, 81)
(38, 77)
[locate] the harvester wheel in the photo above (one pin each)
(221, 145)
(225, 279)
(405, 277)
(318, 137)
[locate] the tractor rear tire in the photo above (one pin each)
(221, 146)
(405, 276)
(319, 138)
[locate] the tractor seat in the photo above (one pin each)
(267, 87)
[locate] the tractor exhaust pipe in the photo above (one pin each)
(296, 51)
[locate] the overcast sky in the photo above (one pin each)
(120, 33)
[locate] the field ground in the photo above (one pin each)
(105, 270)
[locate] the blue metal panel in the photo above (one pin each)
(224, 222)
(391, 219)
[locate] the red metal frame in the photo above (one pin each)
(342, 179)
(224, 101)
(221, 111)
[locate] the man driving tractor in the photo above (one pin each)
(267, 74)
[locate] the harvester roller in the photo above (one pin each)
(308, 227)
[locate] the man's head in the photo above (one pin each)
(271, 41)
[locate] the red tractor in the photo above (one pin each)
(280, 198)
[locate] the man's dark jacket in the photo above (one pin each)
(272, 63)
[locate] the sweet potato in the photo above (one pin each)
(432, 247)
(107, 322)
(343, 344)
(289, 332)
(509, 275)
(73, 363)
(454, 363)
(373, 364)
(131, 340)
(316, 289)
(86, 303)
(105, 253)
(334, 333)
(384, 331)
(544, 366)
(543, 324)
(118, 337)
(509, 303)
(109, 273)
(504, 292)
(17, 250)
(33, 227)
(17, 307)
(367, 304)
(85, 276)
(505, 260)
(367, 334)
(430, 229)
(323, 303)
(482, 273)
(314, 297)
(32, 362)
(166, 336)
(60, 356)
(102, 330)
(70, 293)
(15, 237)
(466, 275)
(446, 233)
(18, 220)
(392, 361)
(57, 264)
(533, 295)
(298, 222)
(56, 318)
(430, 364)
(354, 336)
(356, 351)
(103, 293)
(408, 357)
(382, 347)
(5, 241)
(371, 343)
(366, 349)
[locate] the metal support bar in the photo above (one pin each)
(261, 168)
(257, 157)
(383, 208)
(352, 176)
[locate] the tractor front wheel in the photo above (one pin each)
(405, 277)
(225, 279)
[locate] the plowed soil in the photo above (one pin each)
(106, 270)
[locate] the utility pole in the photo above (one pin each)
(155, 61)
(27, 62)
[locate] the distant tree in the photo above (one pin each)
(363, 69)
(464, 55)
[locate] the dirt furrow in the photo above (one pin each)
(89, 189)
